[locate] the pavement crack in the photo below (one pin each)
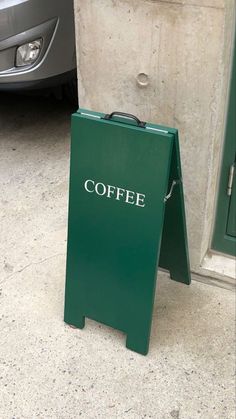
(30, 264)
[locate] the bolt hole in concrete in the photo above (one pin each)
(142, 79)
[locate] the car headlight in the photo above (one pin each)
(28, 53)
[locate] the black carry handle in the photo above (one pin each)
(140, 124)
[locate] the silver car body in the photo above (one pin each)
(23, 21)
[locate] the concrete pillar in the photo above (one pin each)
(166, 62)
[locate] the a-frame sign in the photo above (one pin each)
(126, 218)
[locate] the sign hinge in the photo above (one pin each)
(174, 182)
(230, 179)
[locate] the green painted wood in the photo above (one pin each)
(231, 224)
(174, 247)
(114, 245)
(223, 241)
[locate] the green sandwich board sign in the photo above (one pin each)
(126, 218)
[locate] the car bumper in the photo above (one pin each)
(49, 82)
(23, 21)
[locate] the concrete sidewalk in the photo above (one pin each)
(51, 371)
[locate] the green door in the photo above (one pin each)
(224, 238)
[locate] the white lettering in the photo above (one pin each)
(140, 200)
(129, 195)
(110, 190)
(103, 188)
(120, 194)
(86, 185)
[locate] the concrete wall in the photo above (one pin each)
(166, 62)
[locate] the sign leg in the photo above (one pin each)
(72, 313)
(138, 339)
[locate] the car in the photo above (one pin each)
(37, 46)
